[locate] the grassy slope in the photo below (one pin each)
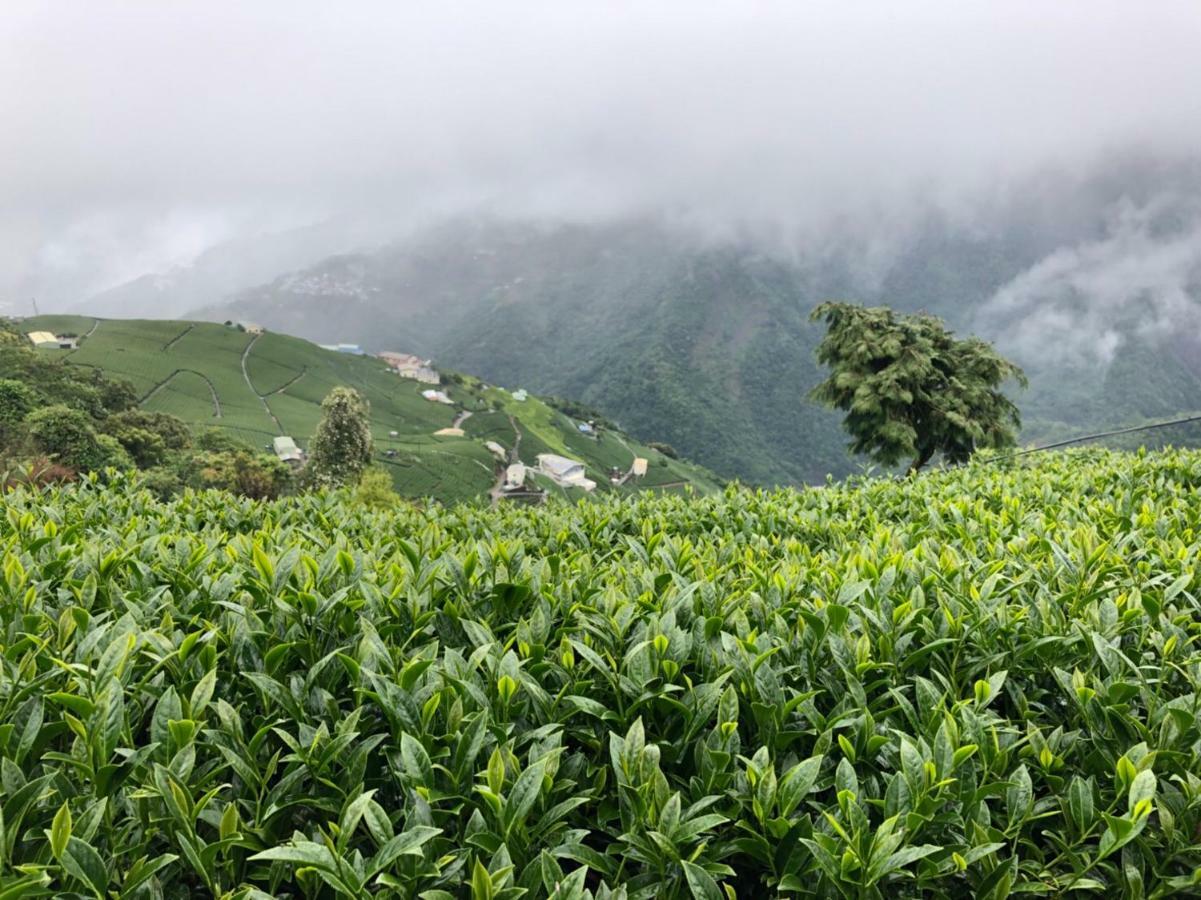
(194, 370)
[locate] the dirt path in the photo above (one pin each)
(162, 384)
(249, 384)
(92, 330)
(462, 417)
(495, 494)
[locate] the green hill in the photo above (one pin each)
(259, 386)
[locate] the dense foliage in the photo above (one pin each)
(341, 447)
(977, 683)
(910, 388)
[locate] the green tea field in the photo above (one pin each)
(256, 387)
(978, 683)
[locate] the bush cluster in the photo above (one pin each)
(979, 683)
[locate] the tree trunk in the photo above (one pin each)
(923, 457)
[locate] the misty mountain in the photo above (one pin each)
(224, 269)
(1095, 288)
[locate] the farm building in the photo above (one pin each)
(639, 467)
(585, 428)
(514, 477)
(251, 327)
(564, 471)
(449, 432)
(285, 448)
(46, 339)
(496, 449)
(406, 365)
(437, 397)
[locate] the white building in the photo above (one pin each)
(496, 449)
(514, 477)
(639, 467)
(520, 395)
(564, 471)
(449, 432)
(285, 448)
(437, 397)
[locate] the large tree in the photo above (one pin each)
(910, 388)
(341, 447)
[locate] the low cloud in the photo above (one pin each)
(1142, 279)
(780, 115)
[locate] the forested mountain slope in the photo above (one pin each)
(703, 342)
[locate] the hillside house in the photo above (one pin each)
(520, 395)
(251, 327)
(638, 470)
(437, 397)
(514, 478)
(496, 449)
(406, 365)
(449, 432)
(563, 471)
(286, 450)
(586, 428)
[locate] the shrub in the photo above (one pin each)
(666, 449)
(67, 437)
(375, 489)
(256, 475)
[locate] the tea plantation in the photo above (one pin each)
(979, 683)
(254, 387)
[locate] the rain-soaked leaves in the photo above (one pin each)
(978, 683)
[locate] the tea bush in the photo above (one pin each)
(979, 683)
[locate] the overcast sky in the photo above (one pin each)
(134, 134)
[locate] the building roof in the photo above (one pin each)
(450, 432)
(639, 467)
(42, 337)
(285, 448)
(559, 466)
(394, 358)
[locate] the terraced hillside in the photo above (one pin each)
(259, 386)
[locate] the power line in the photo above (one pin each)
(1093, 437)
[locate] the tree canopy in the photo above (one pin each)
(341, 447)
(910, 388)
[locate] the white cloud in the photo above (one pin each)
(1143, 278)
